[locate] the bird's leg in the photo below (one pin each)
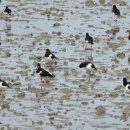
(86, 55)
(86, 46)
(6, 19)
(50, 63)
(45, 81)
(41, 79)
(89, 78)
(0, 91)
(89, 74)
(41, 87)
(91, 55)
(115, 19)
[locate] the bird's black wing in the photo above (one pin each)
(90, 40)
(53, 56)
(118, 12)
(84, 64)
(46, 73)
(9, 12)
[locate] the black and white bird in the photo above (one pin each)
(126, 84)
(49, 54)
(115, 11)
(43, 73)
(3, 85)
(88, 65)
(89, 39)
(51, 57)
(7, 10)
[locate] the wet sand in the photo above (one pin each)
(69, 101)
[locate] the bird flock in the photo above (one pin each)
(51, 57)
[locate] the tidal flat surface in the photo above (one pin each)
(70, 101)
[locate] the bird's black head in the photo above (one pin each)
(80, 66)
(124, 81)
(47, 53)
(38, 68)
(114, 6)
(87, 34)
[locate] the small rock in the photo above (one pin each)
(21, 95)
(124, 117)
(84, 103)
(5, 106)
(129, 60)
(113, 94)
(77, 37)
(120, 55)
(104, 70)
(40, 122)
(56, 24)
(100, 110)
(120, 38)
(98, 95)
(102, 2)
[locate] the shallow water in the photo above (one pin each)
(70, 100)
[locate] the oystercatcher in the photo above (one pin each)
(7, 10)
(3, 85)
(50, 55)
(126, 84)
(43, 73)
(115, 11)
(88, 65)
(89, 39)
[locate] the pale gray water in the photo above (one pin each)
(73, 105)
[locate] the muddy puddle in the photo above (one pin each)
(70, 101)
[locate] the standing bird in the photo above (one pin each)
(51, 57)
(126, 84)
(88, 65)
(7, 10)
(3, 85)
(115, 11)
(43, 73)
(89, 39)
(129, 36)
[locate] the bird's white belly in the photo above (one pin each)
(89, 67)
(50, 57)
(127, 87)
